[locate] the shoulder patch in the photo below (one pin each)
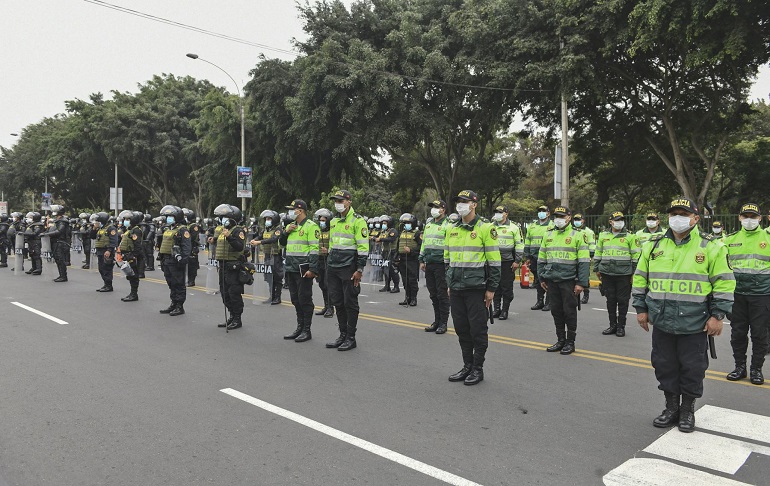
(707, 236)
(113, 232)
(493, 233)
(277, 233)
(186, 234)
(133, 237)
(317, 234)
(241, 235)
(364, 232)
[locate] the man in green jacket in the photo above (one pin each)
(564, 267)
(579, 224)
(472, 257)
(511, 253)
(749, 250)
(432, 263)
(653, 228)
(532, 242)
(684, 287)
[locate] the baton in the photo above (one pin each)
(712, 348)
(491, 315)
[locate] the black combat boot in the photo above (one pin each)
(569, 347)
(405, 301)
(350, 343)
(296, 332)
(539, 305)
(584, 300)
(413, 302)
(670, 415)
(756, 376)
(496, 309)
(611, 330)
(329, 311)
(169, 309)
(395, 290)
(547, 306)
(305, 335)
(504, 312)
(738, 373)
(60, 279)
(559, 345)
(687, 414)
(475, 377)
(432, 328)
(338, 342)
(178, 310)
(226, 323)
(236, 323)
(441, 328)
(621, 332)
(385, 288)
(462, 374)
(132, 297)
(86, 266)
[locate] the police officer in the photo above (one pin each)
(579, 224)
(32, 234)
(5, 245)
(749, 250)
(323, 217)
(432, 263)
(408, 246)
(193, 265)
(58, 231)
(131, 251)
(84, 230)
(653, 228)
(716, 230)
(564, 266)
(511, 252)
(18, 226)
(301, 243)
(348, 251)
(106, 240)
(388, 239)
(684, 287)
(272, 250)
(148, 242)
(175, 248)
(472, 256)
(231, 254)
(535, 233)
(616, 255)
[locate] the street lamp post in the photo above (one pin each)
(243, 131)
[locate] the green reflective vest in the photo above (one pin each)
(225, 251)
(534, 238)
(510, 240)
(472, 255)
(302, 246)
(750, 258)
(564, 256)
(645, 234)
(681, 285)
(349, 241)
(432, 250)
(616, 254)
(591, 239)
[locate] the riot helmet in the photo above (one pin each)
(189, 215)
(228, 214)
(33, 217)
(173, 212)
(270, 215)
(148, 218)
(57, 209)
(136, 217)
(3, 219)
(102, 217)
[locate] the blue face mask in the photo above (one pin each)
(126, 223)
(541, 215)
(268, 223)
(578, 224)
(322, 224)
(225, 221)
(170, 219)
(371, 226)
(377, 225)
(408, 226)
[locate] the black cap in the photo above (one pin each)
(652, 216)
(297, 204)
(543, 208)
(438, 203)
(342, 194)
(617, 216)
(683, 203)
(501, 209)
(750, 208)
(467, 195)
(577, 216)
(716, 224)
(561, 211)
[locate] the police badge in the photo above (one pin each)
(700, 257)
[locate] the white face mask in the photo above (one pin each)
(497, 217)
(679, 224)
(618, 225)
(750, 224)
(560, 222)
(225, 221)
(463, 209)
(340, 207)
(268, 223)
(29, 220)
(652, 224)
(717, 231)
(291, 215)
(542, 215)
(435, 212)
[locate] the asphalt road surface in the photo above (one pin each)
(101, 392)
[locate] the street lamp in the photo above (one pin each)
(243, 132)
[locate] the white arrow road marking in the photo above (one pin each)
(655, 472)
(41, 314)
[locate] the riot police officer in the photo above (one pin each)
(388, 237)
(408, 247)
(4, 244)
(230, 248)
(17, 226)
(84, 229)
(323, 216)
(148, 242)
(32, 235)
(58, 232)
(272, 249)
(195, 230)
(175, 248)
(131, 251)
(106, 237)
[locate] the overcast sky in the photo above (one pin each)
(57, 50)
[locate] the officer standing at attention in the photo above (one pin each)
(388, 238)
(534, 238)
(472, 257)
(148, 242)
(230, 254)
(272, 249)
(432, 263)
(564, 266)
(131, 251)
(174, 252)
(716, 230)
(58, 232)
(4, 244)
(511, 252)
(323, 217)
(106, 240)
(749, 250)
(684, 287)
(301, 243)
(408, 245)
(348, 252)
(195, 230)
(579, 224)
(84, 229)
(653, 228)
(32, 235)
(616, 256)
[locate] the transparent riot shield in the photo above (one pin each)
(212, 276)
(46, 252)
(373, 269)
(262, 290)
(77, 243)
(18, 267)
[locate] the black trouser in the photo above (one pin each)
(301, 293)
(5, 245)
(321, 279)
(435, 277)
(391, 272)
(617, 290)
(175, 274)
(133, 281)
(505, 289)
(87, 250)
(278, 274)
(563, 308)
(149, 255)
(535, 279)
(343, 295)
(409, 266)
(469, 316)
(750, 312)
(680, 361)
(61, 253)
(192, 267)
(230, 288)
(105, 266)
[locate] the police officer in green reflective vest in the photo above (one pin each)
(472, 256)
(749, 250)
(511, 253)
(579, 224)
(230, 254)
(717, 230)
(301, 242)
(348, 252)
(563, 264)
(653, 228)
(532, 242)
(432, 263)
(684, 287)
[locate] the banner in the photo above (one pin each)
(46, 204)
(3, 208)
(244, 182)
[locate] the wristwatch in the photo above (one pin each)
(718, 316)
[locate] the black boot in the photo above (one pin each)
(385, 288)
(305, 335)
(236, 323)
(296, 332)
(86, 266)
(504, 311)
(610, 330)
(170, 308)
(738, 373)
(547, 306)
(462, 374)
(569, 347)
(496, 309)
(441, 328)
(687, 414)
(539, 305)
(226, 323)
(413, 302)
(404, 302)
(105, 288)
(350, 343)
(179, 310)
(670, 415)
(132, 297)
(322, 311)
(757, 378)
(60, 279)
(475, 377)
(559, 345)
(621, 332)
(395, 290)
(584, 300)
(338, 342)
(329, 311)
(432, 328)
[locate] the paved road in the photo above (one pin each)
(122, 395)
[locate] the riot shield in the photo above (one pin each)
(18, 267)
(46, 252)
(371, 269)
(262, 290)
(77, 243)
(212, 276)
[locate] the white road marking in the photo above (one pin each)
(605, 310)
(353, 440)
(705, 450)
(656, 472)
(41, 314)
(733, 422)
